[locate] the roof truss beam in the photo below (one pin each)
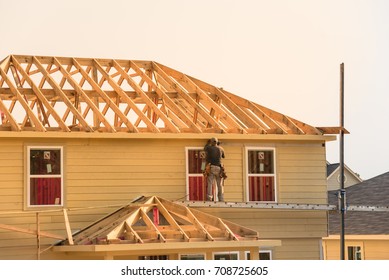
(62, 95)
(146, 99)
(168, 82)
(166, 99)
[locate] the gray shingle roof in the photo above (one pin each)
(331, 168)
(372, 192)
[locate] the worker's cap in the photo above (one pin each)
(214, 140)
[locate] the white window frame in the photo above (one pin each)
(274, 175)
(196, 254)
(187, 168)
(29, 176)
(270, 252)
(226, 253)
(355, 244)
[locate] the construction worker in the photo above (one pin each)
(214, 155)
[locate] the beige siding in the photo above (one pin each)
(376, 249)
(371, 249)
(111, 172)
(11, 175)
(299, 249)
(276, 223)
(333, 183)
(301, 174)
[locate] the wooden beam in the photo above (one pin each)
(138, 239)
(270, 117)
(198, 224)
(295, 126)
(67, 226)
(4, 64)
(170, 219)
(33, 232)
(151, 225)
(207, 100)
(85, 97)
(194, 103)
(218, 110)
(51, 95)
(237, 111)
(213, 221)
(146, 99)
(127, 99)
(106, 98)
(41, 97)
(62, 95)
(14, 125)
(333, 130)
(166, 99)
(38, 125)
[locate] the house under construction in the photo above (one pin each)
(102, 158)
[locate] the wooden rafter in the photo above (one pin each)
(194, 104)
(126, 99)
(23, 102)
(145, 98)
(85, 97)
(41, 97)
(58, 90)
(154, 219)
(136, 96)
(166, 99)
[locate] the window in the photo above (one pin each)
(154, 258)
(195, 165)
(261, 174)
(44, 176)
(263, 255)
(192, 257)
(354, 253)
(226, 256)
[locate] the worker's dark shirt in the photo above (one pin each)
(214, 154)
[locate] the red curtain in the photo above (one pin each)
(45, 191)
(261, 188)
(196, 188)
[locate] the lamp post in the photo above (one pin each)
(342, 192)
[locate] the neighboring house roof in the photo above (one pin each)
(334, 168)
(372, 192)
(155, 224)
(331, 168)
(66, 94)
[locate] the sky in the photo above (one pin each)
(282, 54)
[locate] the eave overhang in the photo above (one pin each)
(172, 136)
(168, 248)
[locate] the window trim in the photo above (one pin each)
(247, 188)
(29, 176)
(225, 253)
(187, 168)
(355, 244)
(260, 251)
(191, 254)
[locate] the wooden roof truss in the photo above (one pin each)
(109, 95)
(156, 220)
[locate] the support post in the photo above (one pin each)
(341, 153)
(38, 237)
(67, 225)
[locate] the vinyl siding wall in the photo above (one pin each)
(112, 172)
(371, 249)
(333, 182)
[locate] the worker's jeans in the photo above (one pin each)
(214, 175)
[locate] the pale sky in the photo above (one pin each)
(282, 54)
